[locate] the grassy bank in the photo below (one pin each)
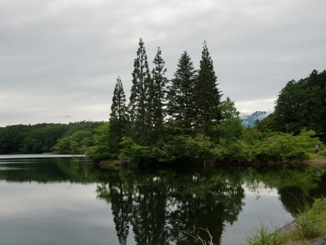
(308, 225)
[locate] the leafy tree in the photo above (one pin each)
(181, 104)
(77, 143)
(140, 102)
(228, 110)
(207, 95)
(228, 132)
(100, 150)
(301, 104)
(277, 146)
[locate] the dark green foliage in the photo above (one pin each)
(41, 138)
(181, 149)
(77, 143)
(37, 138)
(229, 127)
(207, 95)
(11, 138)
(301, 105)
(181, 103)
(187, 150)
(140, 100)
(100, 150)
(132, 152)
(118, 119)
(118, 108)
(200, 128)
(73, 127)
(161, 205)
(158, 96)
(185, 122)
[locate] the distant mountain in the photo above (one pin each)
(249, 120)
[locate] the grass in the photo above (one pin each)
(312, 223)
(309, 224)
(262, 237)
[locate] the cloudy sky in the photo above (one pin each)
(59, 59)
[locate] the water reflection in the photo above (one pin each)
(165, 207)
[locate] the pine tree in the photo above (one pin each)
(181, 105)
(158, 95)
(118, 118)
(208, 96)
(139, 102)
(118, 107)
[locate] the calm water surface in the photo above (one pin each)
(70, 201)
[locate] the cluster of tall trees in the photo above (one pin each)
(300, 104)
(188, 104)
(183, 120)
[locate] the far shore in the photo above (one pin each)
(315, 161)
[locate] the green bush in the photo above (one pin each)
(184, 148)
(177, 149)
(132, 152)
(277, 146)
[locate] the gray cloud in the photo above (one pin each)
(62, 57)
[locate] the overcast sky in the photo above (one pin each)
(59, 59)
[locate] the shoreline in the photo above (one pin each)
(315, 161)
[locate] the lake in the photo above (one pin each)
(68, 200)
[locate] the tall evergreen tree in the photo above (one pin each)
(158, 95)
(181, 105)
(118, 118)
(208, 96)
(118, 107)
(139, 102)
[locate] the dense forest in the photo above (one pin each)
(184, 120)
(69, 138)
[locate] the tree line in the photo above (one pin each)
(184, 120)
(300, 104)
(47, 137)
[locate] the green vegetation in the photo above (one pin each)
(185, 121)
(300, 104)
(262, 237)
(309, 224)
(69, 138)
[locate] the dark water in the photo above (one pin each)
(70, 201)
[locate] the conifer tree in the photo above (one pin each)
(118, 118)
(158, 95)
(118, 107)
(208, 96)
(139, 102)
(181, 105)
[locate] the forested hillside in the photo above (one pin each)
(46, 137)
(300, 104)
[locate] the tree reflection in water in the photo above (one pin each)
(166, 206)
(163, 207)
